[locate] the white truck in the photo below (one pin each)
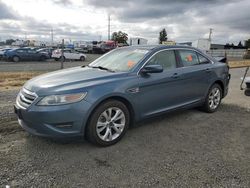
(202, 44)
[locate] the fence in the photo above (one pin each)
(230, 53)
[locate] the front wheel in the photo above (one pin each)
(16, 59)
(108, 123)
(213, 99)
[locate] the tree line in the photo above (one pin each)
(122, 37)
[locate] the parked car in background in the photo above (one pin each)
(28, 54)
(68, 54)
(48, 51)
(87, 47)
(100, 101)
(3, 51)
(81, 50)
(103, 46)
(106, 46)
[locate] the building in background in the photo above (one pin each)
(217, 46)
(202, 44)
(137, 41)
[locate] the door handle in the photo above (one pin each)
(175, 75)
(208, 69)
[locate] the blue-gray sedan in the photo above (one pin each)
(100, 101)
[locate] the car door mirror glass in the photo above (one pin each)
(152, 69)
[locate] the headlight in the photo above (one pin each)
(61, 99)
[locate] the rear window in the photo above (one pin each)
(188, 57)
(203, 60)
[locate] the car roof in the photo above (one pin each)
(158, 47)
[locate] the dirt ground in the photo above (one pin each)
(181, 149)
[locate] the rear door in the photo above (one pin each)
(196, 74)
(32, 55)
(22, 53)
(75, 54)
(67, 54)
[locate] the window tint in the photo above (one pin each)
(31, 51)
(20, 50)
(188, 57)
(203, 60)
(165, 58)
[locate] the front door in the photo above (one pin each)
(161, 91)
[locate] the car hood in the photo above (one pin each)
(78, 78)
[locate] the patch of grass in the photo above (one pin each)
(15, 80)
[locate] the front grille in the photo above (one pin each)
(25, 98)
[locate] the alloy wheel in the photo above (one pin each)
(214, 98)
(110, 124)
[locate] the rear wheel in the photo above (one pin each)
(62, 58)
(108, 123)
(213, 99)
(82, 58)
(16, 59)
(247, 92)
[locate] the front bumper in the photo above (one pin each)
(54, 121)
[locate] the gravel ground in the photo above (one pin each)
(49, 65)
(182, 149)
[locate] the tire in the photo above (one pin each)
(213, 99)
(82, 58)
(56, 59)
(247, 92)
(62, 58)
(101, 129)
(16, 59)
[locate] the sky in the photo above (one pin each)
(184, 20)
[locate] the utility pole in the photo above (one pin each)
(52, 36)
(108, 26)
(62, 54)
(210, 34)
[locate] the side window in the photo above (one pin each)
(165, 58)
(19, 51)
(31, 51)
(202, 59)
(188, 57)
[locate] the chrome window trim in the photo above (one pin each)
(138, 72)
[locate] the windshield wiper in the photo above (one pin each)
(102, 68)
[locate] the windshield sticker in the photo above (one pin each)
(131, 64)
(189, 58)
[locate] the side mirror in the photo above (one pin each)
(152, 69)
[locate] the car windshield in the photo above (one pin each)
(120, 60)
